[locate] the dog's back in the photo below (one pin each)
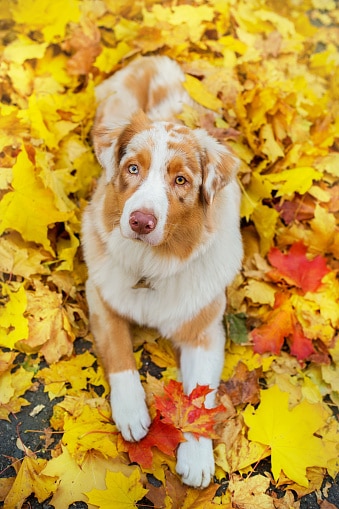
(152, 84)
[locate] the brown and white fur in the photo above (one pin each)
(161, 241)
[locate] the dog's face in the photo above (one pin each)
(161, 178)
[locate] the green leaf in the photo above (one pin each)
(236, 324)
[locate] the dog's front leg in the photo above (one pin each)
(114, 344)
(200, 365)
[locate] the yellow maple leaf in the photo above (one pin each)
(258, 189)
(122, 492)
(265, 220)
(12, 386)
(29, 208)
(13, 323)
(49, 17)
(237, 353)
(11, 130)
(192, 16)
(30, 480)
(318, 312)
(297, 180)
(110, 57)
(77, 372)
(201, 94)
(23, 48)
(290, 434)
(270, 145)
(74, 480)
(91, 430)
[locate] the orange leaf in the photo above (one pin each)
(278, 325)
(161, 435)
(282, 324)
(304, 273)
(188, 413)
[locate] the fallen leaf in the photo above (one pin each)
(74, 480)
(278, 325)
(289, 433)
(30, 480)
(200, 93)
(296, 267)
(301, 346)
(14, 324)
(251, 492)
(89, 431)
(29, 199)
(187, 413)
(161, 435)
(243, 386)
(237, 327)
(50, 18)
(49, 330)
(121, 492)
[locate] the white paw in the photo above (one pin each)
(130, 412)
(195, 461)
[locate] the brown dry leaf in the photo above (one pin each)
(250, 492)
(85, 45)
(243, 387)
(50, 332)
(175, 490)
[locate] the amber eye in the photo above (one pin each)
(180, 180)
(133, 169)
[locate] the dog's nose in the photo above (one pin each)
(142, 222)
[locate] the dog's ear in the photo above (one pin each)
(110, 143)
(104, 142)
(219, 165)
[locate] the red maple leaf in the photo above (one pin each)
(188, 413)
(165, 437)
(300, 346)
(297, 269)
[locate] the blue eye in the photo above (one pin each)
(133, 169)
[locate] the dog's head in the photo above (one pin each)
(165, 178)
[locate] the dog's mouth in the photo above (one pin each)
(150, 239)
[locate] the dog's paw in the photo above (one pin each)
(132, 420)
(195, 461)
(130, 412)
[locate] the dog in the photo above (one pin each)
(161, 241)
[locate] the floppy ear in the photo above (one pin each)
(219, 165)
(104, 142)
(110, 142)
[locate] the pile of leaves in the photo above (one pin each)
(270, 71)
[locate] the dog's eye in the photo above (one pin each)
(133, 169)
(180, 180)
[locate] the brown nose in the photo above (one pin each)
(142, 223)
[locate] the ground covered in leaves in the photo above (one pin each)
(270, 72)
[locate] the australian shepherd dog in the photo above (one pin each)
(162, 241)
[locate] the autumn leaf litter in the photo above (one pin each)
(269, 70)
